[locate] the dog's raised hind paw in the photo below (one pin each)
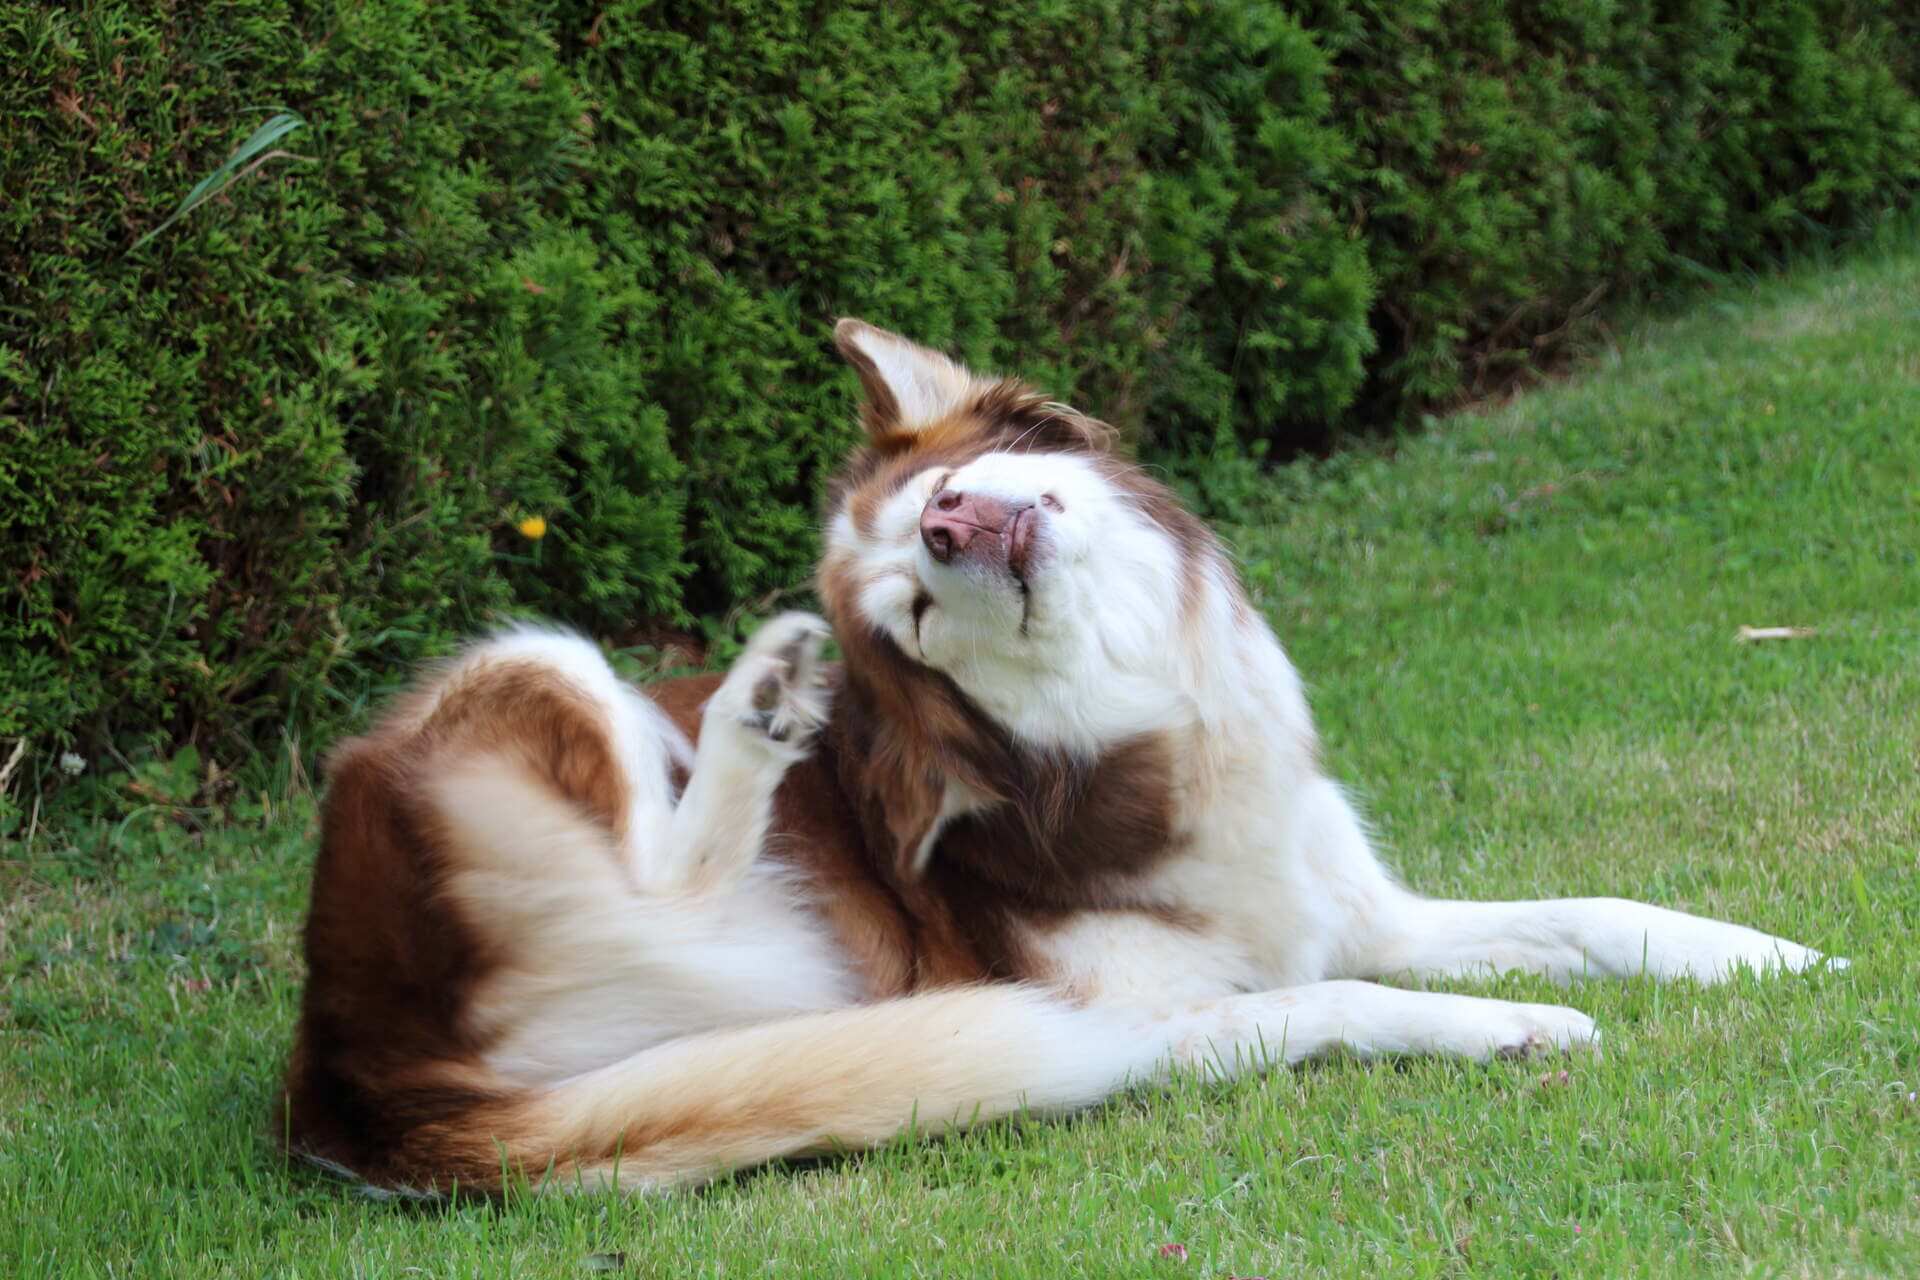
(781, 682)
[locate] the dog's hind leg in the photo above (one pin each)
(531, 720)
(761, 719)
(852, 1078)
(544, 705)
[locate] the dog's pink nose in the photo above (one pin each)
(953, 521)
(956, 524)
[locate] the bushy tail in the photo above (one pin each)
(687, 1111)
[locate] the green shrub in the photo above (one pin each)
(1520, 163)
(576, 261)
(1267, 338)
(279, 447)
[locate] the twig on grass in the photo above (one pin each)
(13, 762)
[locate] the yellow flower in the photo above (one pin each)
(533, 528)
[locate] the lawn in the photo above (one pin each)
(1520, 634)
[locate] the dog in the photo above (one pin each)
(1054, 825)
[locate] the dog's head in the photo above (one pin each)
(988, 543)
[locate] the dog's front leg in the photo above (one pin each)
(1384, 931)
(1570, 938)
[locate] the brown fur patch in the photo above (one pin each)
(558, 732)
(1068, 844)
(384, 1077)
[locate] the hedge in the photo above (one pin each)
(576, 261)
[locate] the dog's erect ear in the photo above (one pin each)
(907, 386)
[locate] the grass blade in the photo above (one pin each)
(246, 157)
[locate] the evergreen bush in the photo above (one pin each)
(566, 269)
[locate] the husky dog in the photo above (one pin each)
(1053, 826)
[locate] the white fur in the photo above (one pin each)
(720, 825)
(955, 800)
(1573, 938)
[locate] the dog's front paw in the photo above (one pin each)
(1780, 956)
(779, 685)
(1523, 1030)
(1710, 951)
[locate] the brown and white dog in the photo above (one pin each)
(1053, 826)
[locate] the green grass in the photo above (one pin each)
(1520, 632)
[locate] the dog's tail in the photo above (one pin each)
(687, 1111)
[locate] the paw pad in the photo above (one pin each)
(786, 687)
